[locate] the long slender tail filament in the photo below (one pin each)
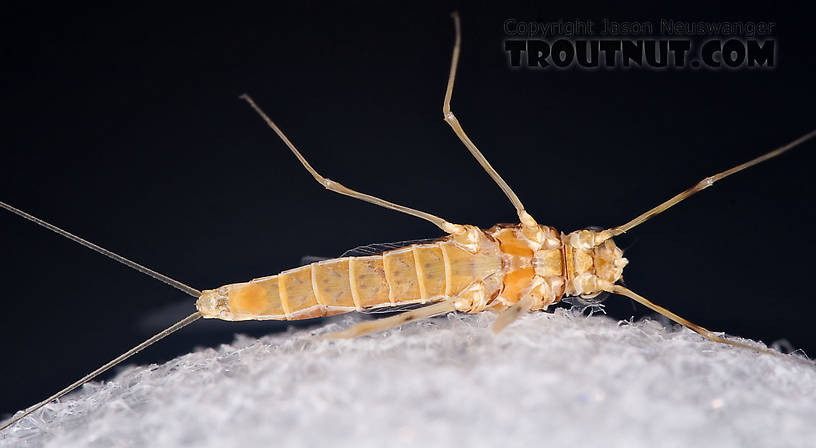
(112, 255)
(107, 366)
(129, 263)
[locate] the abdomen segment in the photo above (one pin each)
(413, 274)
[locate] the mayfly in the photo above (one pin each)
(509, 269)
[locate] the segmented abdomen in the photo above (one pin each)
(414, 274)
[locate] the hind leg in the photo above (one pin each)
(373, 326)
(512, 313)
(524, 217)
(339, 188)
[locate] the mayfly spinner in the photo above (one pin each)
(509, 268)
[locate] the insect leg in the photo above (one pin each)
(338, 188)
(708, 334)
(699, 186)
(394, 321)
(512, 313)
(451, 119)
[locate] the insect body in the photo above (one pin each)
(510, 269)
(478, 270)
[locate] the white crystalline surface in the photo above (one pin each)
(548, 380)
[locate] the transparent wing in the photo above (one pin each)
(394, 309)
(378, 248)
(367, 250)
(309, 259)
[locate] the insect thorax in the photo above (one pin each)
(546, 265)
(591, 267)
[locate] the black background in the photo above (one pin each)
(124, 126)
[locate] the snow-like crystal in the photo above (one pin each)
(548, 380)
